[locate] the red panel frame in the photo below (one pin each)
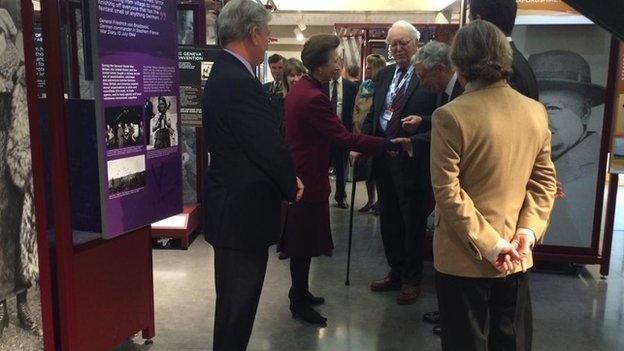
(45, 283)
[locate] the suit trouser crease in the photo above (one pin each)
(239, 276)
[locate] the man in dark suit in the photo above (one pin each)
(276, 65)
(502, 13)
(251, 172)
(402, 181)
(435, 70)
(275, 89)
(342, 93)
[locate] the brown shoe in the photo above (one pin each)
(408, 294)
(386, 284)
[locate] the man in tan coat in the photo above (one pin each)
(494, 185)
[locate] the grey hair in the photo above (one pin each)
(413, 32)
(238, 18)
(432, 54)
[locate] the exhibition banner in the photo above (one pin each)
(548, 12)
(616, 164)
(136, 71)
(195, 63)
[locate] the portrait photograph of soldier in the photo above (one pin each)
(162, 112)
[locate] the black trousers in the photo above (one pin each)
(239, 276)
(485, 314)
(339, 159)
(404, 207)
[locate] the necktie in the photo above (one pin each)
(402, 72)
(334, 96)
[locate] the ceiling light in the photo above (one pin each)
(299, 34)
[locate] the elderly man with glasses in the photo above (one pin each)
(403, 182)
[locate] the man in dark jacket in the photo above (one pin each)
(251, 172)
(403, 182)
(342, 93)
(502, 13)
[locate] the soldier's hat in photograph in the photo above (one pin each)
(561, 69)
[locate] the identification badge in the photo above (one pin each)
(388, 114)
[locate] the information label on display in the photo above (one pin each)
(136, 71)
(39, 64)
(195, 63)
(616, 164)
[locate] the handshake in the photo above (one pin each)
(514, 253)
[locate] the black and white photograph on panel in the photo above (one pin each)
(124, 127)
(162, 113)
(571, 76)
(20, 299)
(186, 29)
(189, 165)
(126, 174)
(206, 68)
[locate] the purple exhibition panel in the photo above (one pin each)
(136, 68)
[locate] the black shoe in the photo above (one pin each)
(4, 317)
(341, 204)
(437, 329)
(367, 207)
(315, 301)
(307, 314)
(432, 317)
(310, 299)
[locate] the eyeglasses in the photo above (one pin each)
(401, 43)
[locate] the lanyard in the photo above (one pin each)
(396, 86)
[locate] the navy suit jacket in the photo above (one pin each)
(251, 169)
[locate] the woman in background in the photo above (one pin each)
(293, 71)
(363, 104)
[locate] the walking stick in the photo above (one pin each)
(353, 184)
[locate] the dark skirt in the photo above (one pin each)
(307, 232)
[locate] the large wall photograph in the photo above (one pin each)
(20, 304)
(570, 63)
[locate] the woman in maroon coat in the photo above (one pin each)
(311, 125)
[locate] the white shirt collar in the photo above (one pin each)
(509, 39)
(451, 85)
(339, 80)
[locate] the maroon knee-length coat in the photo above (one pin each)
(311, 127)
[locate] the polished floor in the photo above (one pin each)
(571, 312)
